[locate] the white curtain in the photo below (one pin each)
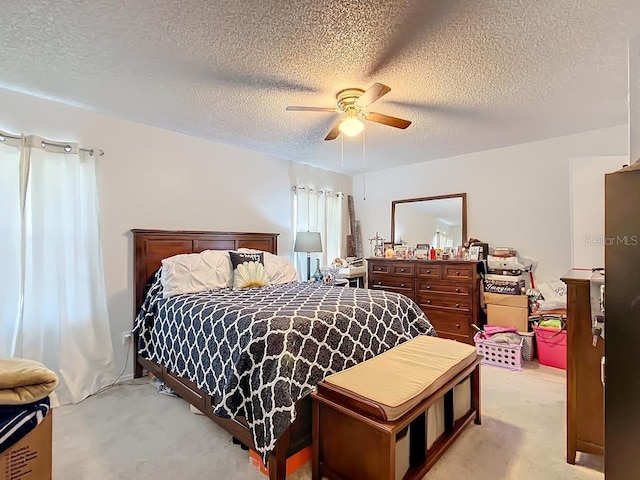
(318, 210)
(53, 297)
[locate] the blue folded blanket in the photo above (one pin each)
(18, 420)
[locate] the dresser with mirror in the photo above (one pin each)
(448, 291)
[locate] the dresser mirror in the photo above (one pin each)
(439, 221)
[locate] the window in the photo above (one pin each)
(321, 211)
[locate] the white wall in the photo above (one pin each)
(157, 179)
(587, 207)
(517, 196)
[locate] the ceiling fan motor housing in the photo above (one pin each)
(347, 98)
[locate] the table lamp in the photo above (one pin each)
(308, 242)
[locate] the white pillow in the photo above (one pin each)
(279, 268)
(196, 272)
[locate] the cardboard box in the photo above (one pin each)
(294, 462)
(30, 458)
(508, 310)
(504, 287)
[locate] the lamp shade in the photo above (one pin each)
(308, 242)
(351, 127)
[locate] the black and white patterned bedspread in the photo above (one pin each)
(258, 351)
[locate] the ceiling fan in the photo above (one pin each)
(353, 104)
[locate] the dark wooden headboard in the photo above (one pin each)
(151, 246)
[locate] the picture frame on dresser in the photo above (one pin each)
(400, 251)
(474, 253)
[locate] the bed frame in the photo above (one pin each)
(150, 247)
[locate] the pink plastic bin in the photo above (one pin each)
(552, 346)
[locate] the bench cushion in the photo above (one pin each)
(400, 378)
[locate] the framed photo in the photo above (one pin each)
(400, 251)
(423, 246)
(474, 253)
(421, 253)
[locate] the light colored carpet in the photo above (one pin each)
(131, 432)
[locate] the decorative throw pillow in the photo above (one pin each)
(196, 272)
(278, 267)
(248, 270)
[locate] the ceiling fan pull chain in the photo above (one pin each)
(364, 165)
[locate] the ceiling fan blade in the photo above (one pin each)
(418, 20)
(387, 120)
(335, 131)
(374, 92)
(312, 109)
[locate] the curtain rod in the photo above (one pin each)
(66, 146)
(295, 188)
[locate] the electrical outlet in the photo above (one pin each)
(127, 337)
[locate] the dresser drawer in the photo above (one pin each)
(428, 286)
(458, 272)
(401, 269)
(429, 271)
(398, 269)
(383, 268)
(392, 284)
(449, 302)
(451, 323)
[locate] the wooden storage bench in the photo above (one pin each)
(393, 416)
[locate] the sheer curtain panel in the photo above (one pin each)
(54, 306)
(318, 211)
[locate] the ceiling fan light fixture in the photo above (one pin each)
(351, 126)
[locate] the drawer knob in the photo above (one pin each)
(428, 287)
(402, 269)
(402, 285)
(457, 273)
(379, 283)
(457, 290)
(429, 302)
(457, 325)
(457, 305)
(428, 271)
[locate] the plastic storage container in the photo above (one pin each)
(552, 346)
(527, 345)
(499, 354)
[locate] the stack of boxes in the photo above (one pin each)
(505, 288)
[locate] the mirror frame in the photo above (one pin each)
(422, 199)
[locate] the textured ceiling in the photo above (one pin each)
(471, 75)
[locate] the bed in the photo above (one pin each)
(263, 403)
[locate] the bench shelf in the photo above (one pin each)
(351, 442)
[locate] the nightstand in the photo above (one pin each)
(354, 275)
